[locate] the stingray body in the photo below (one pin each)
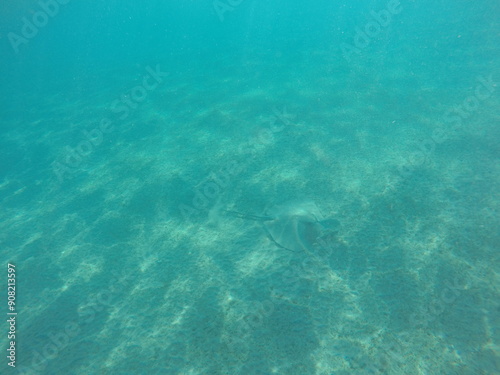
(295, 226)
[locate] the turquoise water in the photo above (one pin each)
(128, 131)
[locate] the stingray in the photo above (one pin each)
(294, 226)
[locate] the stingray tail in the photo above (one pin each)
(248, 216)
